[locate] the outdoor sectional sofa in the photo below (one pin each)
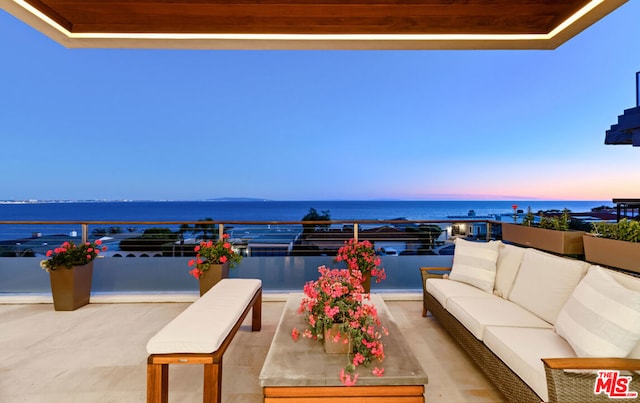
(533, 322)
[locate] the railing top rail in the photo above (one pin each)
(236, 222)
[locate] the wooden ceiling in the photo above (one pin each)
(343, 23)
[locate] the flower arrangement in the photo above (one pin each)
(209, 252)
(70, 254)
(337, 298)
(361, 259)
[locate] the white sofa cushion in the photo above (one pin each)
(476, 313)
(203, 326)
(632, 283)
(544, 283)
(522, 349)
(601, 317)
(474, 263)
(509, 259)
(443, 289)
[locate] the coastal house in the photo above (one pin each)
(97, 353)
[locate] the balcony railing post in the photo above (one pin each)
(85, 233)
(355, 231)
(489, 231)
(220, 230)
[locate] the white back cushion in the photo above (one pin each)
(509, 259)
(474, 263)
(544, 283)
(601, 317)
(632, 283)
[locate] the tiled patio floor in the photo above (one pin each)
(97, 354)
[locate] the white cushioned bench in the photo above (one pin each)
(201, 335)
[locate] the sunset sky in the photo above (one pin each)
(318, 125)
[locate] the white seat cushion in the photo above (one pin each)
(476, 313)
(601, 317)
(474, 263)
(203, 326)
(544, 283)
(443, 289)
(522, 349)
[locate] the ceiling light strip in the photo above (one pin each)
(575, 17)
(310, 37)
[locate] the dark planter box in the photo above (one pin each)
(560, 242)
(611, 252)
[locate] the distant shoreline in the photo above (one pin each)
(250, 199)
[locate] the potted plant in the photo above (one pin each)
(614, 244)
(362, 261)
(70, 268)
(552, 233)
(336, 313)
(212, 262)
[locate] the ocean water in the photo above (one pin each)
(256, 211)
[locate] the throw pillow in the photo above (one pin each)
(474, 263)
(601, 317)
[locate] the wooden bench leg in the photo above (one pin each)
(212, 386)
(157, 383)
(256, 314)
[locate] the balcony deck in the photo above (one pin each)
(97, 354)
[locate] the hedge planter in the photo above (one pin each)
(71, 288)
(611, 252)
(560, 242)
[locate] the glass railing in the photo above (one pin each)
(152, 257)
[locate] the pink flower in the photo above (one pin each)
(295, 333)
(346, 379)
(104, 248)
(98, 242)
(195, 273)
(226, 245)
(49, 253)
(225, 236)
(192, 262)
(223, 259)
(378, 371)
(197, 248)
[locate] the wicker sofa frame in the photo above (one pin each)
(564, 384)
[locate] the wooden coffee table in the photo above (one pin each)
(300, 371)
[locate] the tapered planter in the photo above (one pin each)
(71, 288)
(331, 346)
(366, 282)
(211, 277)
(611, 252)
(560, 242)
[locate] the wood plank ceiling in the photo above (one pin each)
(532, 19)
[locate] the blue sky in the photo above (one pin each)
(316, 125)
